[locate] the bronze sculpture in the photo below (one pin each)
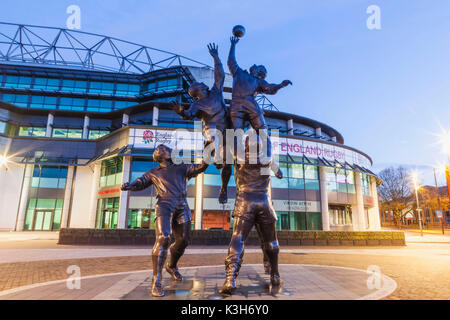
(253, 206)
(172, 212)
(245, 87)
(210, 108)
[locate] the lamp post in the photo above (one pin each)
(439, 201)
(416, 188)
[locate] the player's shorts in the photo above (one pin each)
(255, 207)
(177, 209)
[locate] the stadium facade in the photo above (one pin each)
(80, 114)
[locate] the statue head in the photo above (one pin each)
(258, 71)
(198, 90)
(162, 153)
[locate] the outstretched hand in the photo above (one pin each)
(234, 40)
(285, 83)
(279, 174)
(125, 186)
(176, 107)
(213, 49)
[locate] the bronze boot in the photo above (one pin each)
(230, 282)
(156, 289)
(173, 271)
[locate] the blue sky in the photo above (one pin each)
(387, 91)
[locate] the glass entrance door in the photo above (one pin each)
(109, 219)
(43, 220)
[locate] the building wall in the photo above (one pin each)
(10, 191)
(82, 193)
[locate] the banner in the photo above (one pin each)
(193, 140)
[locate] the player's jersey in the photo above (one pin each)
(245, 85)
(170, 181)
(211, 110)
(249, 178)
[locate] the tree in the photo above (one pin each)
(396, 192)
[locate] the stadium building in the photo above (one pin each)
(80, 114)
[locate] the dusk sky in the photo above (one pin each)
(387, 91)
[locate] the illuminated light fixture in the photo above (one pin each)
(3, 160)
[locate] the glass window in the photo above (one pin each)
(124, 104)
(94, 105)
(19, 100)
(2, 127)
(67, 133)
(46, 84)
(365, 182)
(31, 132)
(111, 172)
(20, 82)
(126, 89)
(340, 215)
(42, 102)
(96, 134)
(74, 85)
(101, 87)
(107, 213)
(75, 104)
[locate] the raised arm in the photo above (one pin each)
(187, 114)
(194, 170)
(138, 184)
(219, 73)
(232, 63)
(276, 169)
(270, 88)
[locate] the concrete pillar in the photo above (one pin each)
(374, 212)
(198, 200)
(324, 199)
(123, 204)
(48, 131)
(86, 127)
(23, 204)
(333, 139)
(67, 197)
(359, 218)
(125, 119)
(94, 195)
(155, 116)
(318, 132)
(290, 127)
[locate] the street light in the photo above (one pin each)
(441, 169)
(416, 188)
(3, 160)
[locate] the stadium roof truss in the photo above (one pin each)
(57, 47)
(38, 45)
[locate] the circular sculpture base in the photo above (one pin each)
(300, 282)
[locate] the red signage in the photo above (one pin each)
(447, 176)
(109, 191)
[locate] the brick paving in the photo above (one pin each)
(203, 283)
(417, 277)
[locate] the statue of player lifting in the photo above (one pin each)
(245, 87)
(172, 211)
(253, 206)
(210, 108)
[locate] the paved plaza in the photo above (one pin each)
(305, 282)
(33, 266)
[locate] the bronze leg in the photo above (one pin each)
(225, 174)
(233, 262)
(159, 253)
(181, 232)
(271, 248)
(266, 261)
